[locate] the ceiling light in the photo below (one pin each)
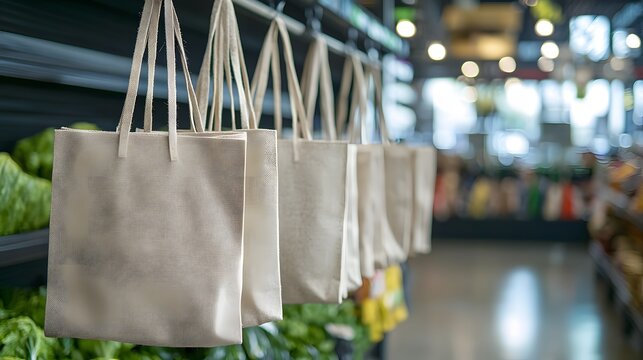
(437, 51)
(545, 64)
(507, 64)
(405, 28)
(544, 27)
(633, 41)
(549, 49)
(470, 69)
(530, 2)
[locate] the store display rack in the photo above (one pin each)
(619, 205)
(21, 248)
(617, 283)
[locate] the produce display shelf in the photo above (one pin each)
(25, 247)
(619, 203)
(617, 281)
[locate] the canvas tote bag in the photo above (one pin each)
(316, 80)
(146, 228)
(398, 170)
(261, 296)
(384, 249)
(312, 183)
(424, 172)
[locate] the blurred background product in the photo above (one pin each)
(535, 108)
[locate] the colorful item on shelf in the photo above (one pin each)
(312, 183)
(383, 312)
(261, 294)
(553, 202)
(25, 200)
(146, 223)
(479, 198)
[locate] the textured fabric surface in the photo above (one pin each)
(398, 165)
(352, 269)
(261, 296)
(311, 210)
(312, 188)
(144, 249)
(424, 172)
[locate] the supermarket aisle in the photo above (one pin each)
(482, 300)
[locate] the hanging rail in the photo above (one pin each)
(297, 28)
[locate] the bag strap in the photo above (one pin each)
(342, 100)
(127, 114)
(269, 61)
(376, 76)
(195, 124)
(316, 77)
(224, 46)
(359, 108)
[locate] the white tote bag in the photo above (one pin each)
(424, 172)
(379, 246)
(316, 77)
(261, 296)
(398, 170)
(145, 239)
(312, 183)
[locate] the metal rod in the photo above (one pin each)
(299, 29)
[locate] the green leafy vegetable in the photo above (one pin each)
(25, 200)
(35, 154)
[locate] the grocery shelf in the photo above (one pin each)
(619, 203)
(22, 248)
(616, 280)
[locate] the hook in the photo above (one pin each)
(313, 18)
(278, 6)
(353, 35)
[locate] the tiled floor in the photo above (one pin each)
(504, 300)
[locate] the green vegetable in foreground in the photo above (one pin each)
(25, 200)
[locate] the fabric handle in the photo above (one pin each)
(269, 62)
(195, 124)
(316, 77)
(223, 58)
(125, 123)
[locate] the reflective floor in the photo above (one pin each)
(482, 300)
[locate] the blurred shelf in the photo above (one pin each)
(620, 205)
(23, 248)
(617, 282)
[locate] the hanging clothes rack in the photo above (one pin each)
(297, 28)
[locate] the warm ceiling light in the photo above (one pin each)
(437, 51)
(530, 2)
(545, 64)
(470, 69)
(544, 27)
(549, 49)
(405, 28)
(633, 41)
(507, 64)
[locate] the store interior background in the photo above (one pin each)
(535, 106)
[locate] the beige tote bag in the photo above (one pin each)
(424, 172)
(398, 170)
(378, 237)
(145, 240)
(261, 296)
(316, 77)
(312, 183)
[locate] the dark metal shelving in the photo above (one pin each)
(617, 282)
(21, 248)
